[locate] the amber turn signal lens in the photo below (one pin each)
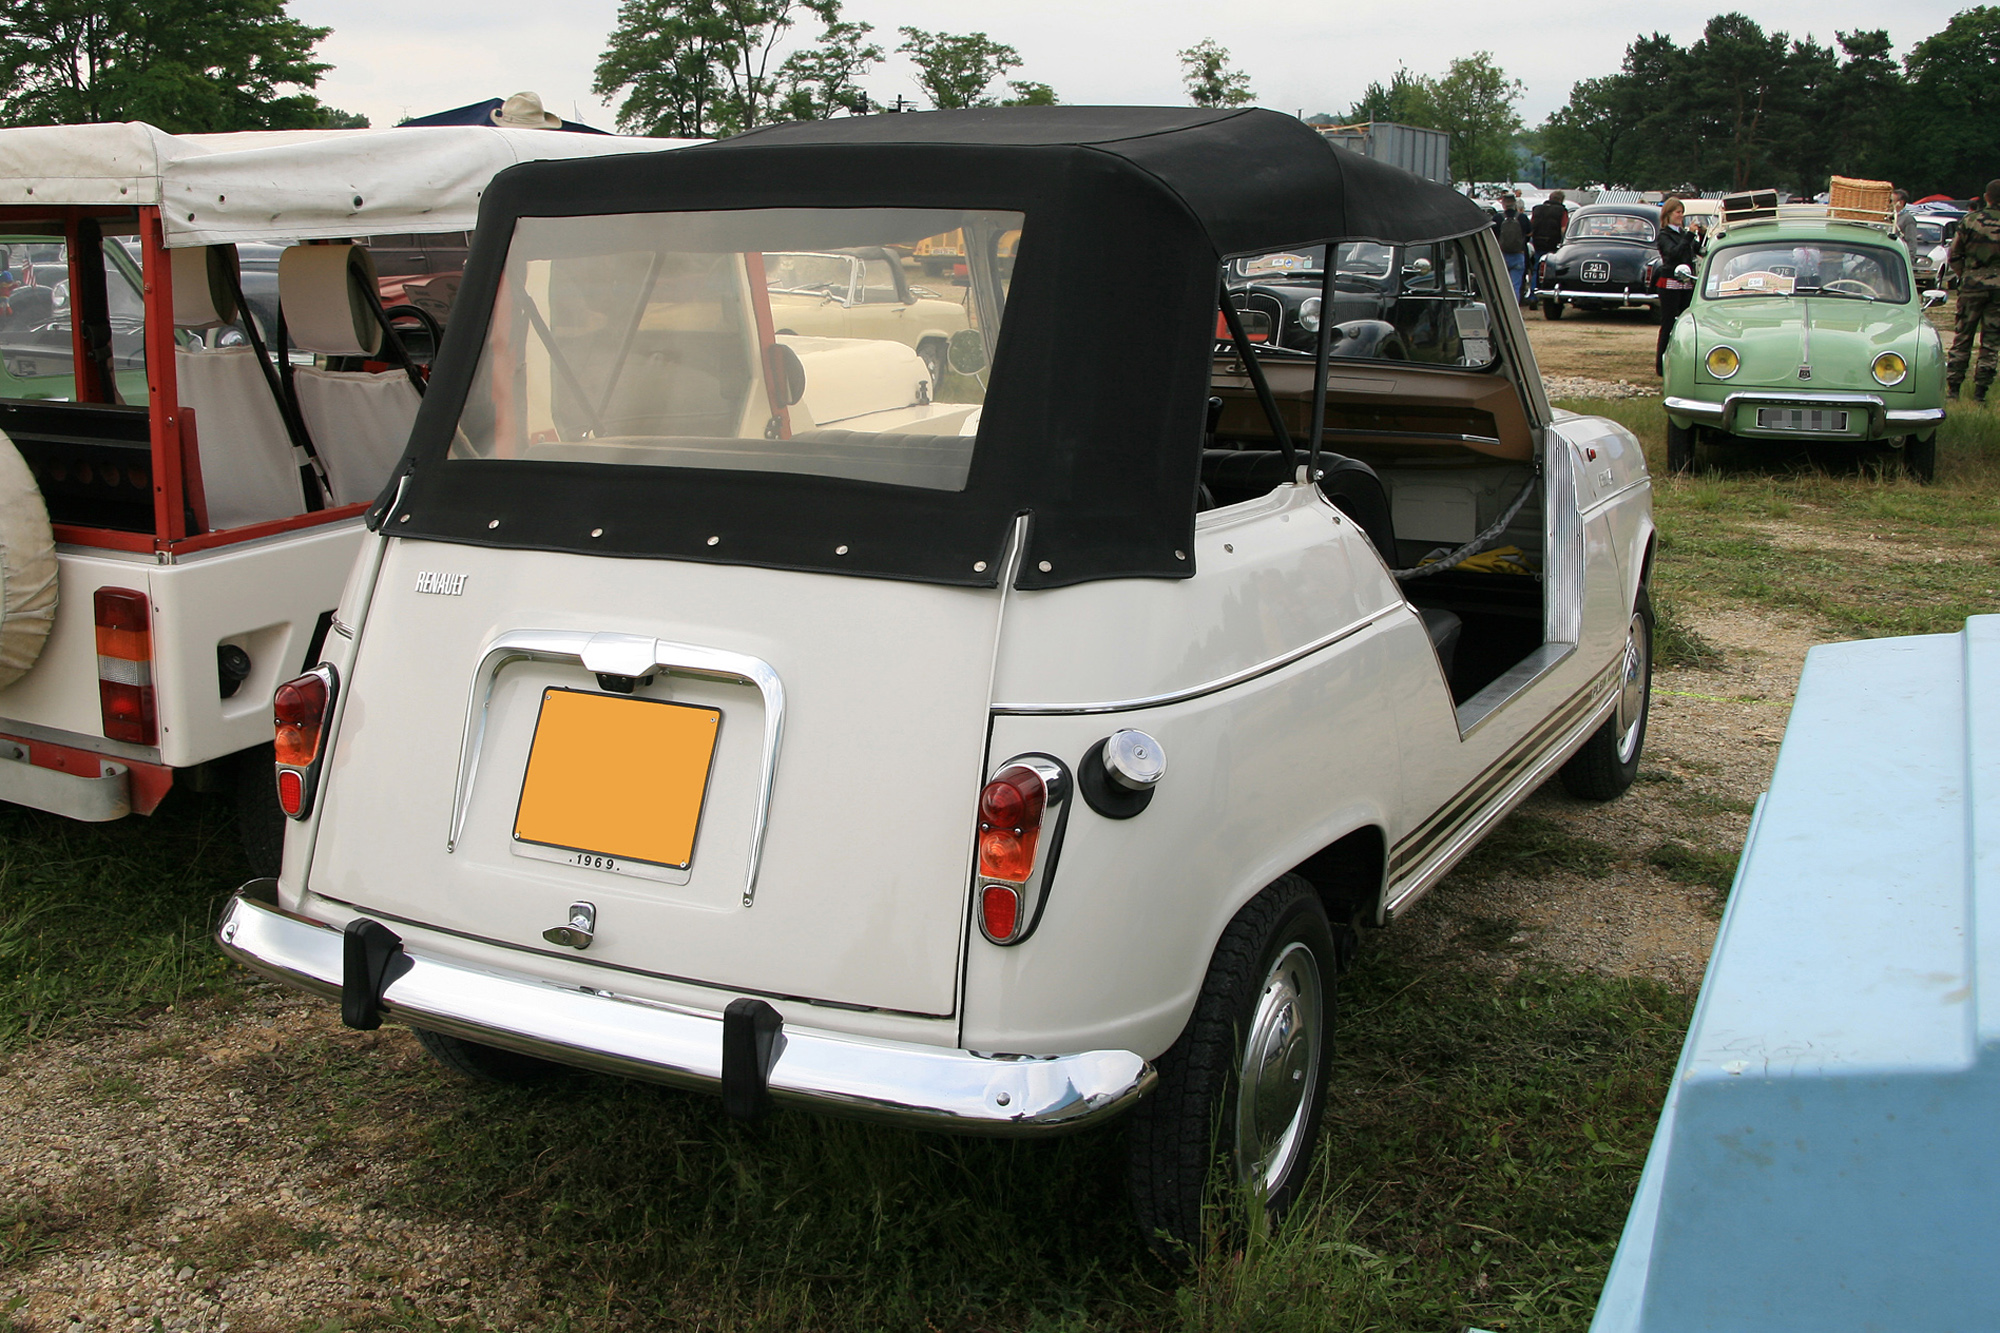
(1889, 369)
(1723, 362)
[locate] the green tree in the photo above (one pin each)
(187, 66)
(1474, 104)
(1210, 81)
(822, 80)
(699, 67)
(1030, 94)
(1595, 136)
(955, 69)
(1950, 127)
(1408, 99)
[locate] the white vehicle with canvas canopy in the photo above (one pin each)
(999, 762)
(181, 487)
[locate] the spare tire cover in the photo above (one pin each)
(27, 567)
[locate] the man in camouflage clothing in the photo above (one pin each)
(1975, 256)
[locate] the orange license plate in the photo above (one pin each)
(614, 779)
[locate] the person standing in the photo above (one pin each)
(1906, 221)
(1678, 246)
(1975, 257)
(1547, 222)
(1511, 225)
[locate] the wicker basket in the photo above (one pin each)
(1861, 201)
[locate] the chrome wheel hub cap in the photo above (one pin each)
(1632, 689)
(1281, 1065)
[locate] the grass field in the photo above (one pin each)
(1484, 1135)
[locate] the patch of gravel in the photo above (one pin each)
(1583, 386)
(1712, 741)
(156, 1181)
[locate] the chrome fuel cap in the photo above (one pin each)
(1134, 760)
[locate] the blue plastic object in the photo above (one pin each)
(1829, 1154)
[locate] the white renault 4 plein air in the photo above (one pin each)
(1000, 761)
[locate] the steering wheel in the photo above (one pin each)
(424, 318)
(1858, 287)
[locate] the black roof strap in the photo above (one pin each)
(310, 478)
(1255, 370)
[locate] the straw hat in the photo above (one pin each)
(523, 111)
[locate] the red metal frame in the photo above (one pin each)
(177, 484)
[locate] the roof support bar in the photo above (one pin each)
(1255, 370)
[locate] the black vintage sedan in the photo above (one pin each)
(1389, 303)
(1608, 261)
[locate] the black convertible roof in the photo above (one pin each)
(1094, 413)
(1253, 179)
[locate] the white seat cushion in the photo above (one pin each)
(359, 423)
(248, 471)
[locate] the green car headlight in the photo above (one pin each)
(1889, 369)
(1723, 362)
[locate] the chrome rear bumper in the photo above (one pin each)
(900, 1082)
(1596, 294)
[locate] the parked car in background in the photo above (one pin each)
(1806, 328)
(1608, 261)
(1932, 249)
(997, 765)
(861, 293)
(1391, 303)
(168, 560)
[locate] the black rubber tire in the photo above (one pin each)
(1597, 772)
(1680, 449)
(1176, 1165)
(260, 824)
(1552, 310)
(1920, 457)
(486, 1064)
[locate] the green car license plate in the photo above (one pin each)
(1818, 420)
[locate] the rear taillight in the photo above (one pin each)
(1021, 813)
(300, 710)
(125, 665)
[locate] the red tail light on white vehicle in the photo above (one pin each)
(125, 665)
(1022, 811)
(300, 710)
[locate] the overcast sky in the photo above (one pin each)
(396, 58)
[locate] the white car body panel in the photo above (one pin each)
(264, 596)
(863, 881)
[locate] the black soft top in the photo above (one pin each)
(1093, 418)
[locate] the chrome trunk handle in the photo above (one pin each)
(621, 655)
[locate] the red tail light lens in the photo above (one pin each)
(999, 910)
(1010, 824)
(125, 665)
(291, 792)
(299, 710)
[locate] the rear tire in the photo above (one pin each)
(1240, 1096)
(486, 1064)
(260, 822)
(1680, 449)
(1609, 760)
(1552, 310)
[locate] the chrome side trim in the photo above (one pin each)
(934, 1087)
(621, 655)
(1221, 683)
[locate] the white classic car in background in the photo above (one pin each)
(861, 294)
(999, 763)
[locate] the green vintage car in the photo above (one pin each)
(1806, 328)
